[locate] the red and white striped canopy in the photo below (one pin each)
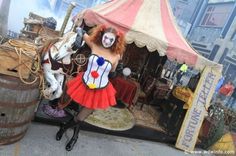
(147, 23)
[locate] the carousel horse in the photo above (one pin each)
(57, 62)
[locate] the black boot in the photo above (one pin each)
(74, 138)
(64, 127)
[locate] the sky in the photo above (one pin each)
(21, 8)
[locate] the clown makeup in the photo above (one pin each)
(108, 39)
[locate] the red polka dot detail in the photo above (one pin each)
(94, 74)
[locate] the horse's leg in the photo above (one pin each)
(60, 79)
(50, 78)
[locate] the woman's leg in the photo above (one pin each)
(83, 114)
(64, 127)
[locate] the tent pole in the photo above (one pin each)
(144, 68)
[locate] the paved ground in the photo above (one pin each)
(40, 141)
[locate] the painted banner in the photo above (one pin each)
(194, 117)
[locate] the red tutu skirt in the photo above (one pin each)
(91, 98)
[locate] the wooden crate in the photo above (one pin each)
(10, 64)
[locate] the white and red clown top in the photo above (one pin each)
(92, 88)
(96, 75)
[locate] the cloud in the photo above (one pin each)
(21, 8)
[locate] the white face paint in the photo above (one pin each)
(108, 39)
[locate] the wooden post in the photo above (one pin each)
(68, 13)
(4, 12)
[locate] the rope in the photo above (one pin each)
(19, 53)
(28, 50)
(27, 47)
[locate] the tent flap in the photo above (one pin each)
(140, 41)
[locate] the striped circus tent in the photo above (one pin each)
(147, 23)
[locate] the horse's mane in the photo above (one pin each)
(47, 45)
(50, 42)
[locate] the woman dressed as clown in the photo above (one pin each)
(91, 89)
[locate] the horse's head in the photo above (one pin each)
(79, 39)
(70, 43)
(64, 46)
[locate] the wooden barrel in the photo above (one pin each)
(17, 106)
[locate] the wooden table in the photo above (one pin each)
(126, 90)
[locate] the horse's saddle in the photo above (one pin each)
(57, 65)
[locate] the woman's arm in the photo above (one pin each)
(115, 64)
(87, 40)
